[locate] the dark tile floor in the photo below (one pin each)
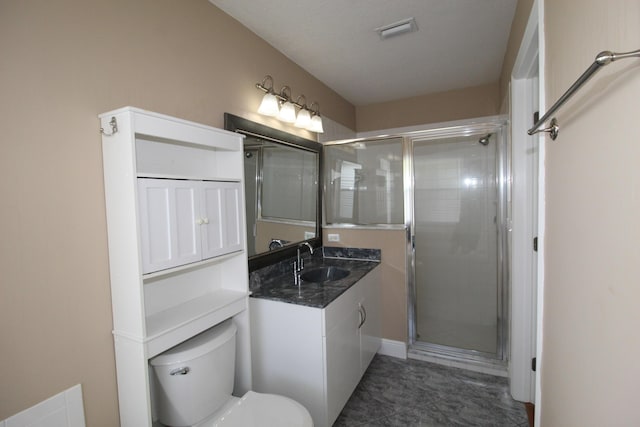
(395, 392)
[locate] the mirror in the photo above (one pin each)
(282, 191)
(280, 188)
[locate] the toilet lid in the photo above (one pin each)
(265, 410)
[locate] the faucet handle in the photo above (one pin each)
(296, 274)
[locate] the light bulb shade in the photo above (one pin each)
(316, 124)
(287, 112)
(304, 118)
(269, 105)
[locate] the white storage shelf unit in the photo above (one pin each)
(157, 306)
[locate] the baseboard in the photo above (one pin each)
(393, 348)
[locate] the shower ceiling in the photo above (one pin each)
(459, 43)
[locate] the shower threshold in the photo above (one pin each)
(459, 358)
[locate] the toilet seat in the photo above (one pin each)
(265, 410)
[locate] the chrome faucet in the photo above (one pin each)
(300, 259)
(298, 265)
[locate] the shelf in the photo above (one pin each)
(187, 177)
(221, 157)
(176, 324)
(147, 278)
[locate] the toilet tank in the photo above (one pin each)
(195, 378)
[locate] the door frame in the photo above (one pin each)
(527, 269)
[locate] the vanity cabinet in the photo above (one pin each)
(316, 356)
(184, 221)
(176, 232)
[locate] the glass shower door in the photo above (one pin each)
(456, 216)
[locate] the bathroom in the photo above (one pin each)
(72, 60)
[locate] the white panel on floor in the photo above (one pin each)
(62, 410)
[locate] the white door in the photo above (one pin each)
(459, 286)
(221, 218)
(233, 214)
(211, 219)
(169, 233)
(370, 319)
(342, 350)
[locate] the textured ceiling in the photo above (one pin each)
(459, 43)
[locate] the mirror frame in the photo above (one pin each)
(249, 128)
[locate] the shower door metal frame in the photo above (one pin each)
(256, 204)
(497, 125)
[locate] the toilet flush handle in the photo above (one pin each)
(180, 371)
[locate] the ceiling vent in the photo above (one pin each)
(397, 28)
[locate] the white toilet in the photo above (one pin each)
(194, 384)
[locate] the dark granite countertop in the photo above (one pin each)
(277, 282)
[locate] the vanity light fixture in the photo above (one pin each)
(287, 111)
(280, 105)
(269, 105)
(316, 120)
(304, 117)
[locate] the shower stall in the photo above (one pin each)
(458, 285)
(448, 188)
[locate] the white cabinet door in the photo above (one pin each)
(369, 307)
(234, 216)
(212, 220)
(168, 232)
(221, 218)
(287, 354)
(184, 221)
(343, 363)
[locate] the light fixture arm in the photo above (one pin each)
(283, 96)
(301, 105)
(264, 88)
(315, 111)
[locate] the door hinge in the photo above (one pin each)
(533, 364)
(535, 244)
